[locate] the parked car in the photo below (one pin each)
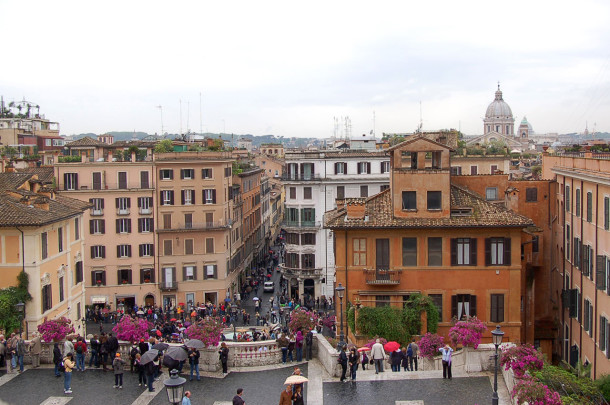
(269, 286)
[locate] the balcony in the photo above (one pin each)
(145, 211)
(97, 213)
(301, 177)
(303, 273)
(168, 286)
(199, 226)
(301, 224)
(382, 276)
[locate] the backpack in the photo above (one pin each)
(62, 367)
(79, 348)
(134, 351)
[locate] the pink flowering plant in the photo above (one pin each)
(429, 345)
(207, 330)
(55, 330)
(533, 392)
(302, 319)
(131, 329)
(468, 332)
(371, 342)
(521, 358)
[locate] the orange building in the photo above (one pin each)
(427, 235)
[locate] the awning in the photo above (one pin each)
(98, 300)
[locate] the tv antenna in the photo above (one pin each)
(160, 107)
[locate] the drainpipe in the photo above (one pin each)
(580, 251)
(23, 269)
(596, 323)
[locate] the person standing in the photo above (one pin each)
(354, 361)
(194, 362)
(378, 355)
(343, 363)
(35, 350)
(104, 348)
(113, 346)
(286, 396)
(69, 364)
(140, 368)
(2, 350)
(11, 352)
(446, 352)
(283, 342)
(94, 349)
(297, 396)
(57, 358)
(405, 359)
(68, 346)
(118, 365)
(309, 345)
(224, 357)
(149, 369)
(237, 399)
(132, 356)
(20, 350)
(415, 349)
(395, 359)
(186, 400)
(81, 351)
(299, 345)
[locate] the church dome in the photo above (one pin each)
(498, 108)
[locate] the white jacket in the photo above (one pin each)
(377, 352)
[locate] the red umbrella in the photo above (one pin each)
(364, 349)
(173, 320)
(391, 346)
(159, 333)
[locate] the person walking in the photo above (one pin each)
(309, 345)
(286, 396)
(395, 359)
(69, 364)
(405, 359)
(194, 362)
(378, 355)
(20, 349)
(365, 360)
(35, 350)
(118, 365)
(140, 369)
(354, 360)
(94, 349)
(68, 346)
(343, 362)
(81, 351)
(237, 399)
(297, 396)
(149, 370)
(446, 352)
(415, 350)
(57, 358)
(224, 357)
(186, 400)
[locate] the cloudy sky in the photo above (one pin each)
(288, 68)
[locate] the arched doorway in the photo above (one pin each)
(149, 300)
(309, 292)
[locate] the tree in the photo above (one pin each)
(164, 146)
(9, 297)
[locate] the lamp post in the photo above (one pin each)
(340, 292)
(234, 312)
(20, 308)
(496, 335)
(175, 387)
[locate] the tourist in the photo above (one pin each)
(81, 350)
(395, 359)
(2, 351)
(57, 358)
(149, 369)
(140, 368)
(299, 345)
(405, 359)
(415, 349)
(104, 350)
(224, 357)
(194, 362)
(132, 356)
(35, 350)
(354, 360)
(69, 364)
(286, 396)
(94, 349)
(291, 346)
(11, 353)
(378, 355)
(283, 342)
(365, 360)
(237, 399)
(68, 346)
(113, 345)
(309, 345)
(20, 350)
(118, 365)
(297, 396)
(186, 400)
(446, 352)
(343, 362)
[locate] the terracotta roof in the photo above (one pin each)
(14, 212)
(416, 137)
(45, 174)
(378, 214)
(85, 142)
(12, 181)
(138, 143)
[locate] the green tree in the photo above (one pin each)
(164, 146)
(9, 318)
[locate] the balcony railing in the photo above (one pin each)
(198, 226)
(297, 272)
(301, 177)
(300, 224)
(168, 285)
(382, 276)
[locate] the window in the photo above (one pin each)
(188, 197)
(167, 221)
(364, 167)
(497, 251)
(188, 221)
(293, 193)
(494, 169)
(167, 247)
(456, 170)
(409, 251)
(145, 225)
(382, 254)
(206, 173)
(146, 250)
(307, 193)
(209, 245)
(78, 272)
(531, 194)
(568, 240)
(589, 206)
(385, 167)
(364, 191)
(228, 171)
(60, 239)
(437, 299)
(98, 206)
(209, 196)
(166, 174)
(292, 260)
(497, 308)
(567, 198)
(382, 301)
(340, 192)
(189, 273)
(308, 239)
(123, 225)
(189, 245)
(292, 215)
(123, 180)
(98, 252)
(359, 251)
(97, 226)
(588, 321)
(491, 193)
(535, 244)
(409, 200)
(44, 253)
(463, 252)
(47, 299)
(76, 229)
(70, 181)
(340, 168)
(308, 216)
(435, 251)
(384, 187)
(577, 202)
(577, 252)
(167, 197)
(434, 200)
(603, 333)
(147, 276)
(97, 181)
(606, 213)
(463, 306)
(292, 238)
(98, 277)
(187, 174)
(308, 261)
(144, 183)
(61, 289)
(123, 204)
(210, 271)
(78, 313)
(123, 251)
(473, 170)
(124, 276)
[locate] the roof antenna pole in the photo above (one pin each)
(200, 116)
(160, 107)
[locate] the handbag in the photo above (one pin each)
(371, 361)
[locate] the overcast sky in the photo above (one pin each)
(288, 68)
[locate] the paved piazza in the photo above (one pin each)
(262, 386)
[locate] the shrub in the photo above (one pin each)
(207, 330)
(603, 384)
(468, 332)
(429, 345)
(301, 319)
(534, 393)
(574, 389)
(131, 329)
(521, 358)
(55, 329)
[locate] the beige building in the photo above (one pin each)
(478, 164)
(41, 233)
(273, 149)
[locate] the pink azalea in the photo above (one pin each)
(429, 345)
(302, 319)
(132, 329)
(55, 329)
(207, 330)
(521, 358)
(468, 332)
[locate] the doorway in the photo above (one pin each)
(149, 300)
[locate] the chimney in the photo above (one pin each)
(42, 203)
(110, 155)
(355, 208)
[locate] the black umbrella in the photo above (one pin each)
(194, 344)
(149, 356)
(160, 346)
(177, 353)
(170, 363)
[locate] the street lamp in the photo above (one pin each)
(175, 387)
(20, 308)
(234, 312)
(496, 335)
(340, 292)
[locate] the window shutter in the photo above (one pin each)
(140, 202)
(215, 271)
(65, 181)
(454, 306)
(140, 253)
(607, 217)
(600, 269)
(213, 196)
(194, 272)
(359, 167)
(174, 274)
(473, 305)
(507, 258)
(129, 225)
(103, 252)
(171, 197)
(473, 251)
(102, 200)
(182, 194)
(579, 306)
(129, 253)
(118, 251)
(104, 277)
(140, 220)
(181, 174)
(92, 273)
(602, 333)
(91, 227)
(500, 307)
(193, 197)
(152, 225)
(92, 252)
(453, 252)
(129, 273)
(128, 202)
(75, 181)
(116, 202)
(368, 167)
(336, 168)
(171, 175)
(344, 167)
(487, 251)
(184, 273)
(118, 227)
(103, 222)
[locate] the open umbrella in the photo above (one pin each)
(160, 346)
(194, 344)
(173, 320)
(364, 349)
(255, 299)
(149, 356)
(351, 346)
(140, 312)
(296, 379)
(177, 353)
(389, 347)
(170, 363)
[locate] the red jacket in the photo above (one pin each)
(84, 347)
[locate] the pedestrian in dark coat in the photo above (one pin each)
(57, 358)
(405, 359)
(343, 362)
(224, 356)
